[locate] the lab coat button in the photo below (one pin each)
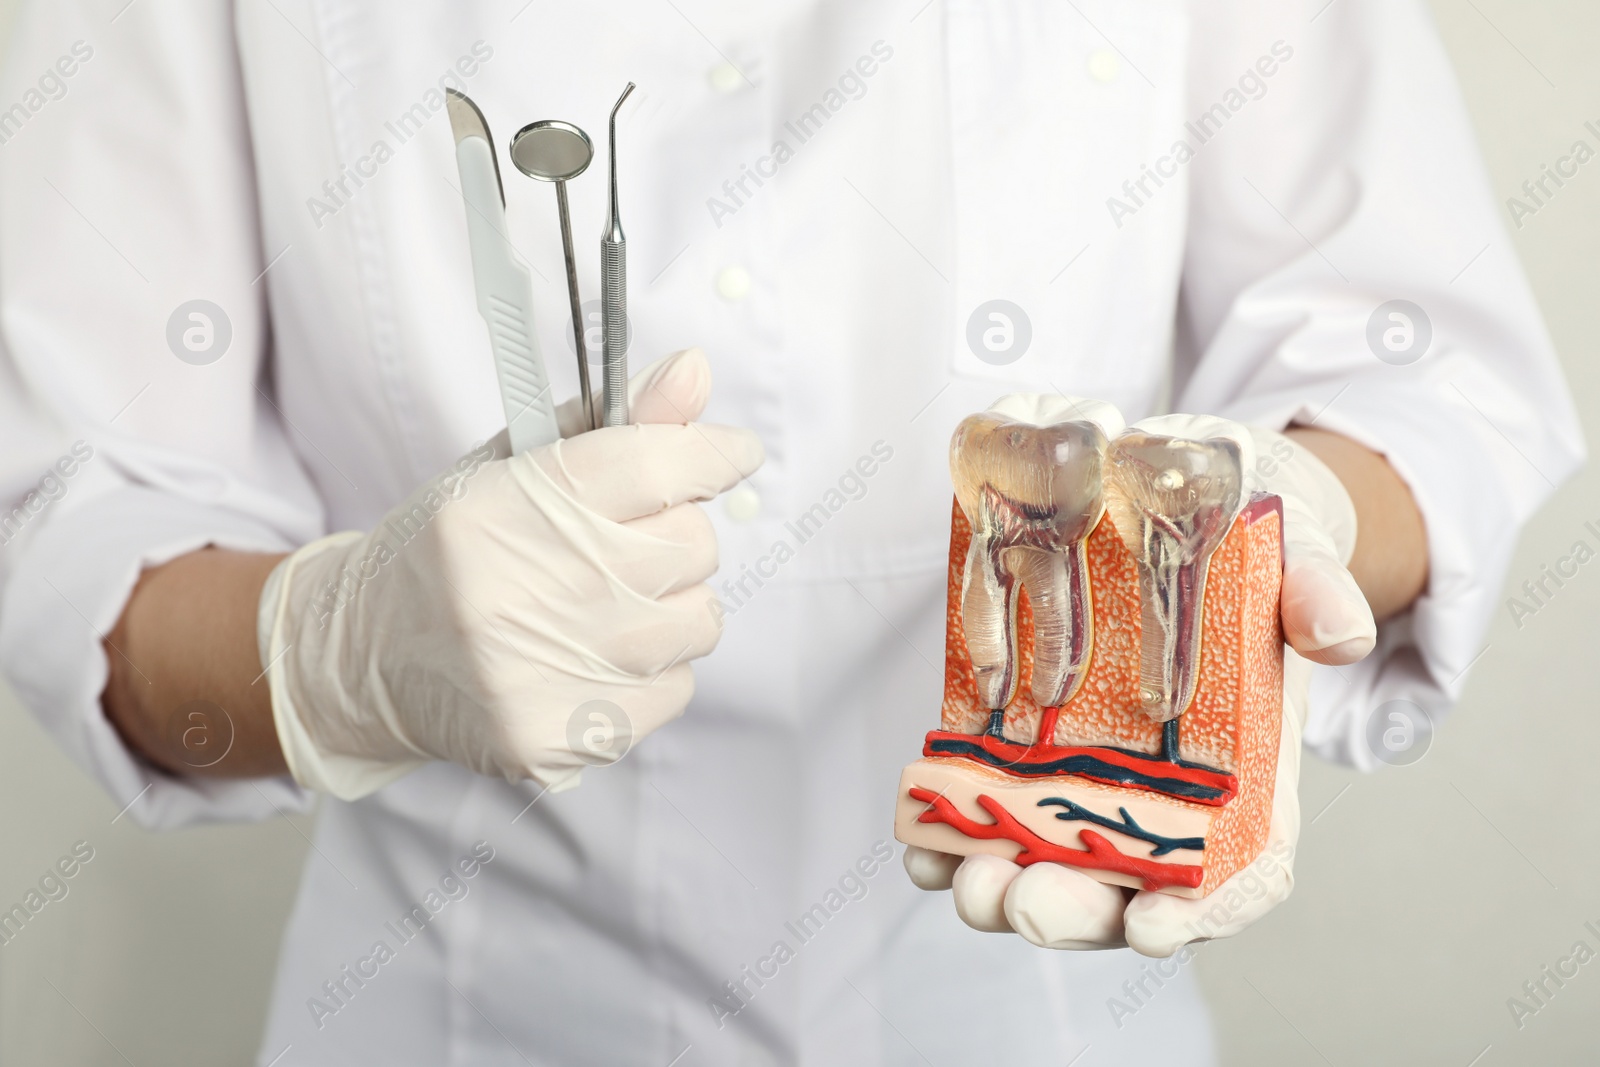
(733, 283)
(725, 78)
(742, 503)
(1104, 66)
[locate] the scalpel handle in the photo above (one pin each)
(505, 300)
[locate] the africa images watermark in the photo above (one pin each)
(851, 486)
(1252, 85)
(852, 886)
(1542, 189)
(52, 487)
(397, 532)
(1537, 992)
(850, 86)
(200, 733)
(50, 87)
(341, 989)
(52, 886)
(352, 177)
(1245, 887)
(1538, 592)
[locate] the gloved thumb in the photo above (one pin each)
(1157, 924)
(1325, 615)
(670, 390)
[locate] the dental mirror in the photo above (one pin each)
(551, 150)
(554, 151)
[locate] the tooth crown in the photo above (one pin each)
(1034, 485)
(1188, 490)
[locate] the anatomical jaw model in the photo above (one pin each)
(1103, 592)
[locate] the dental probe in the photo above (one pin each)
(614, 295)
(504, 286)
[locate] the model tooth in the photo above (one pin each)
(1032, 494)
(1173, 501)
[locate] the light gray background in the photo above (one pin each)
(1426, 895)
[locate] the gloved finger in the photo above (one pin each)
(1157, 924)
(1057, 907)
(929, 869)
(681, 552)
(676, 394)
(660, 701)
(672, 390)
(979, 888)
(625, 472)
(554, 754)
(684, 626)
(1326, 617)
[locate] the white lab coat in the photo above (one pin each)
(185, 159)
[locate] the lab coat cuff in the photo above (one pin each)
(65, 590)
(1423, 655)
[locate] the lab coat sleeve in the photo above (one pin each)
(1348, 178)
(126, 190)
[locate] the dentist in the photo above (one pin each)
(233, 263)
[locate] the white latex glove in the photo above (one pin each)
(1325, 619)
(477, 619)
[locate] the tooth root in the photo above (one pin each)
(1032, 494)
(1169, 655)
(1063, 619)
(1173, 502)
(989, 619)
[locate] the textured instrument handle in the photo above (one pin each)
(614, 275)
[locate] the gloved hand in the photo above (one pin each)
(473, 621)
(1325, 620)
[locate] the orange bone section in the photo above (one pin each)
(1233, 724)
